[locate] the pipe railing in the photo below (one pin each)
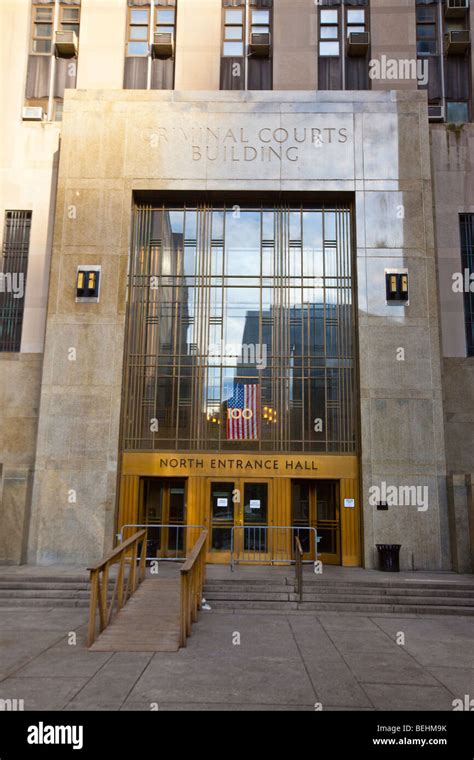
(298, 569)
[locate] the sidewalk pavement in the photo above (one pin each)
(243, 661)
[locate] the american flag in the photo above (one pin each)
(242, 413)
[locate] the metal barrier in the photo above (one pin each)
(298, 569)
(270, 544)
(165, 543)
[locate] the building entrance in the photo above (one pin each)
(316, 504)
(239, 516)
(164, 511)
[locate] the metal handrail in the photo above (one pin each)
(149, 526)
(192, 581)
(298, 569)
(275, 551)
(126, 555)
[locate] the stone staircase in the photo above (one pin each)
(418, 597)
(448, 596)
(48, 590)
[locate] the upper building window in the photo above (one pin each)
(234, 33)
(150, 45)
(355, 20)
(69, 19)
(16, 244)
(42, 29)
(138, 31)
(165, 20)
(426, 31)
(329, 33)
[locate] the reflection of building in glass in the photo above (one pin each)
(237, 309)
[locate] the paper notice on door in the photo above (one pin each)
(222, 502)
(254, 503)
(349, 503)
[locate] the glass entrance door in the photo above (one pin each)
(239, 518)
(164, 506)
(315, 504)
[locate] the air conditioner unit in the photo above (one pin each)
(163, 45)
(33, 113)
(457, 42)
(358, 43)
(260, 44)
(435, 113)
(65, 44)
(456, 8)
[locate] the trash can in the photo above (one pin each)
(389, 557)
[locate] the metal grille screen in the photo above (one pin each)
(240, 329)
(16, 243)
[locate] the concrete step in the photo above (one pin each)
(39, 587)
(321, 590)
(45, 602)
(398, 609)
(44, 594)
(369, 599)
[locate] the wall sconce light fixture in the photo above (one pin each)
(88, 283)
(396, 285)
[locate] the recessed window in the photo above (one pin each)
(260, 22)
(42, 30)
(233, 45)
(16, 244)
(329, 33)
(457, 113)
(355, 21)
(165, 20)
(426, 30)
(69, 19)
(138, 31)
(467, 263)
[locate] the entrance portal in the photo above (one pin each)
(239, 517)
(315, 503)
(164, 511)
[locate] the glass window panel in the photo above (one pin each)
(457, 113)
(233, 32)
(44, 14)
(355, 16)
(260, 29)
(43, 30)
(426, 31)
(426, 12)
(328, 17)
(70, 14)
(329, 33)
(165, 16)
(329, 49)
(42, 46)
(139, 33)
(243, 244)
(288, 339)
(426, 47)
(352, 29)
(139, 17)
(260, 17)
(233, 49)
(233, 17)
(137, 48)
(164, 29)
